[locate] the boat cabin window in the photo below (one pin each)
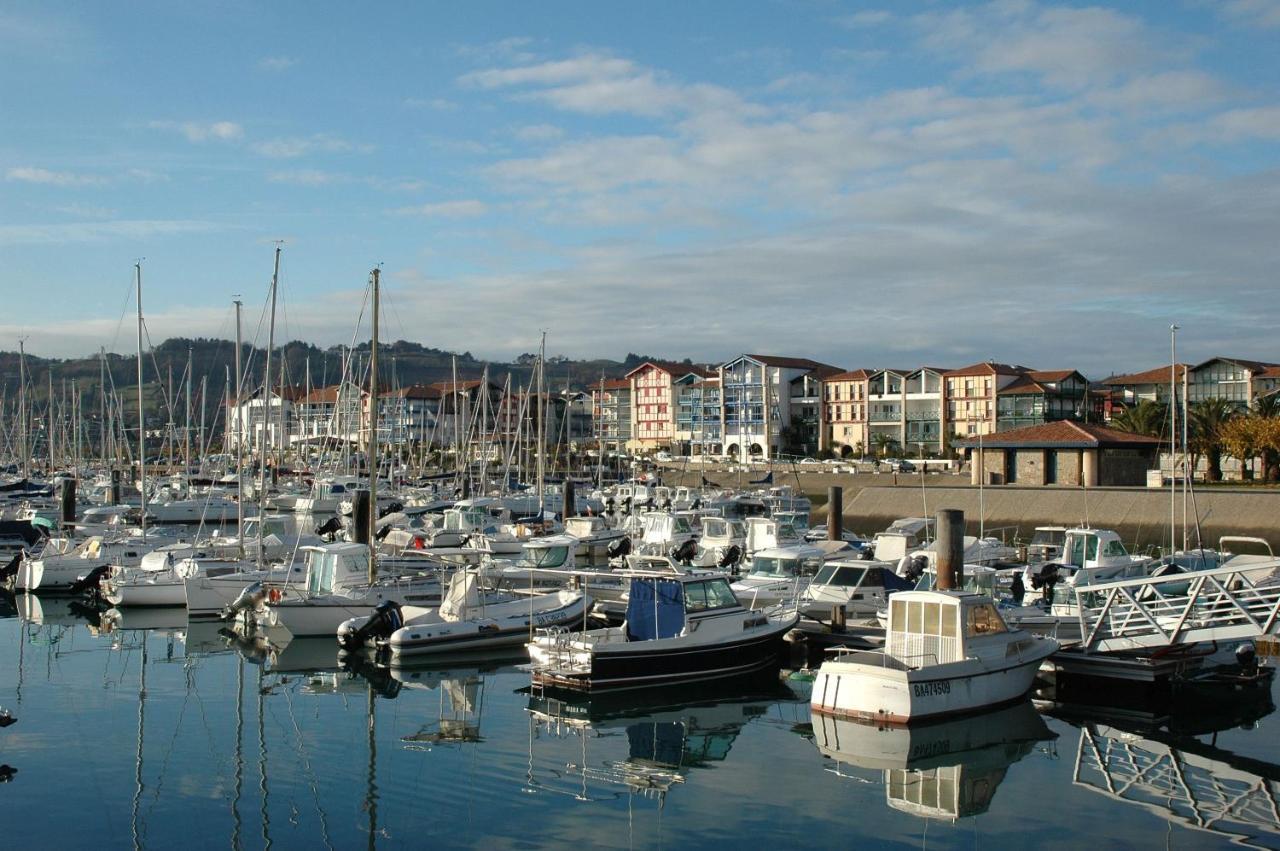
(1048, 536)
(711, 594)
(1114, 548)
(546, 556)
(784, 567)
(845, 577)
(681, 525)
(983, 620)
(1084, 548)
(921, 618)
(320, 573)
(715, 528)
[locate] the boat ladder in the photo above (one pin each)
(1222, 604)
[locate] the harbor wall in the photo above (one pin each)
(1140, 515)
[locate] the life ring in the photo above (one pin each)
(274, 595)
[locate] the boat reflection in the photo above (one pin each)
(946, 770)
(667, 732)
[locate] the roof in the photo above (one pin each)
(1158, 375)
(415, 391)
(612, 384)
(986, 367)
(851, 375)
(1270, 372)
(790, 363)
(670, 367)
(468, 384)
(1036, 381)
(1063, 435)
(1251, 365)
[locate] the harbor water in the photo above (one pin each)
(145, 730)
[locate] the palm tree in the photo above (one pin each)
(1268, 407)
(1147, 417)
(883, 443)
(1205, 421)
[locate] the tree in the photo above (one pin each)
(1242, 437)
(1206, 421)
(1146, 417)
(884, 443)
(1268, 408)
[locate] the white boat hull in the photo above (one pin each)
(884, 693)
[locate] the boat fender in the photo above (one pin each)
(274, 595)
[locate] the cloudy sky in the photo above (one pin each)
(866, 184)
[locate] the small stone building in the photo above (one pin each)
(1061, 453)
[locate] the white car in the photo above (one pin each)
(662, 456)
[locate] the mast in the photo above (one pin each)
(542, 424)
(266, 400)
(1173, 437)
(186, 428)
(373, 432)
(239, 441)
(102, 408)
(23, 435)
(142, 422)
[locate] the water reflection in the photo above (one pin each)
(667, 733)
(1175, 765)
(946, 770)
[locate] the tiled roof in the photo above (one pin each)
(671, 367)
(851, 375)
(1062, 435)
(1051, 374)
(1270, 372)
(1159, 375)
(986, 368)
(612, 384)
(468, 384)
(1025, 384)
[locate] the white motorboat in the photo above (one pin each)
(209, 592)
(946, 652)
(859, 587)
(63, 563)
(470, 618)
(338, 589)
(678, 629)
(778, 574)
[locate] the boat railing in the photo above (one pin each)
(882, 659)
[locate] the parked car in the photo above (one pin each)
(662, 456)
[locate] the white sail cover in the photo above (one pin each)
(463, 594)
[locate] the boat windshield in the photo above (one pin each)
(1053, 537)
(320, 573)
(710, 594)
(545, 556)
(715, 527)
(772, 566)
(840, 575)
(983, 620)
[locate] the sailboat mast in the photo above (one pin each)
(186, 428)
(542, 420)
(1173, 437)
(239, 440)
(373, 432)
(142, 423)
(23, 433)
(266, 402)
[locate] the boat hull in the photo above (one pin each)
(463, 636)
(889, 695)
(633, 665)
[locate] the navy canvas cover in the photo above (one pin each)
(655, 609)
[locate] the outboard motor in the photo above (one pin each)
(731, 557)
(1017, 589)
(250, 598)
(92, 581)
(386, 619)
(392, 508)
(686, 552)
(1247, 659)
(1044, 578)
(10, 570)
(619, 547)
(329, 527)
(382, 533)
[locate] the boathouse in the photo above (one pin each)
(1061, 453)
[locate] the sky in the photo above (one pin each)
(866, 184)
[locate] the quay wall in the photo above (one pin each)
(1139, 515)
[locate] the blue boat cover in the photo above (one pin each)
(655, 609)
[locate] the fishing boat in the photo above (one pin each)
(946, 653)
(677, 629)
(860, 587)
(778, 573)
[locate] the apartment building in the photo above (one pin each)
(765, 410)
(698, 402)
(971, 394)
(844, 397)
(611, 414)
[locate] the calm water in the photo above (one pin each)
(157, 734)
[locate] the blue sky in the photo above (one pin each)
(866, 184)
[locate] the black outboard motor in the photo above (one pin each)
(10, 570)
(730, 558)
(386, 619)
(619, 547)
(1044, 579)
(1247, 659)
(1017, 588)
(92, 581)
(383, 532)
(686, 552)
(329, 527)
(392, 508)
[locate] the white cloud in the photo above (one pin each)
(138, 229)
(29, 174)
(85, 211)
(538, 133)
(276, 63)
(195, 131)
(307, 177)
(298, 146)
(463, 209)
(1254, 13)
